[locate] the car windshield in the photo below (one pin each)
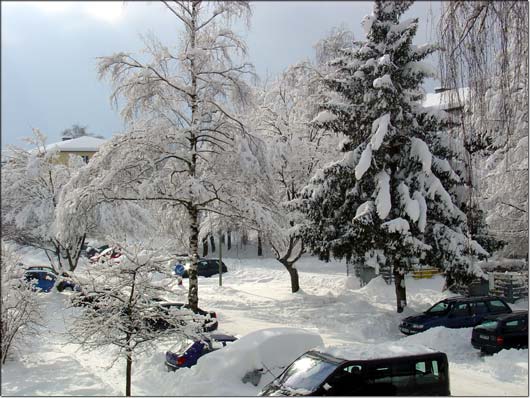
(181, 346)
(489, 325)
(307, 373)
(438, 308)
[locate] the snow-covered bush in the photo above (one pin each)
(19, 305)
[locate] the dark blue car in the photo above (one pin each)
(455, 312)
(44, 278)
(187, 352)
(40, 280)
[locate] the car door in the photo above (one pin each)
(459, 316)
(214, 266)
(478, 310)
(515, 333)
(202, 268)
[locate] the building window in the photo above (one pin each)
(85, 158)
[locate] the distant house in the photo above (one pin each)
(84, 146)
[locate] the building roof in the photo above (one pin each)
(81, 144)
(446, 100)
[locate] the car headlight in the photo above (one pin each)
(417, 326)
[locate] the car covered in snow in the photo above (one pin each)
(455, 312)
(205, 267)
(186, 352)
(318, 373)
(44, 278)
(245, 365)
(504, 331)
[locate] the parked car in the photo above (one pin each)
(455, 312)
(41, 280)
(318, 373)
(186, 353)
(46, 278)
(92, 251)
(205, 267)
(110, 255)
(210, 317)
(503, 331)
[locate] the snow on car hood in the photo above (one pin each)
(222, 370)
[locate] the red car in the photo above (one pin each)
(108, 256)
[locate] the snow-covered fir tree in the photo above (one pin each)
(391, 201)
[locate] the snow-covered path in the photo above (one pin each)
(256, 295)
(49, 366)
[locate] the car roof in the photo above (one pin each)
(390, 357)
(508, 316)
(222, 337)
(40, 267)
(471, 299)
(39, 271)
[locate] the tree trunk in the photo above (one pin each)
(260, 248)
(212, 242)
(222, 242)
(293, 273)
(128, 372)
(244, 237)
(193, 293)
(205, 246)
(401, 292)
(228, 240)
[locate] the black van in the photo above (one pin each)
(317, 373)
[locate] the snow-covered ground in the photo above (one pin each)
(256, 295)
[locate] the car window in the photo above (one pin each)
(498, 306)
(307, 373)
(460, 309)
(203, 264)
(438, 308)
(427, 372)
(512, 325)
(489, 325)
(478, 308)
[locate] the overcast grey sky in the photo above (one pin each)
(49, 52)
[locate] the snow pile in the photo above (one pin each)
(373, 351)
(271, 349)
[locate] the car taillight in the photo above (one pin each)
(181, 361)
(500, 340)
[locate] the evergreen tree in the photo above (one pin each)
(393, 199)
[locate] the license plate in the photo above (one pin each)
(484, 337)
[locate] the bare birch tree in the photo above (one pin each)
(179, 103)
